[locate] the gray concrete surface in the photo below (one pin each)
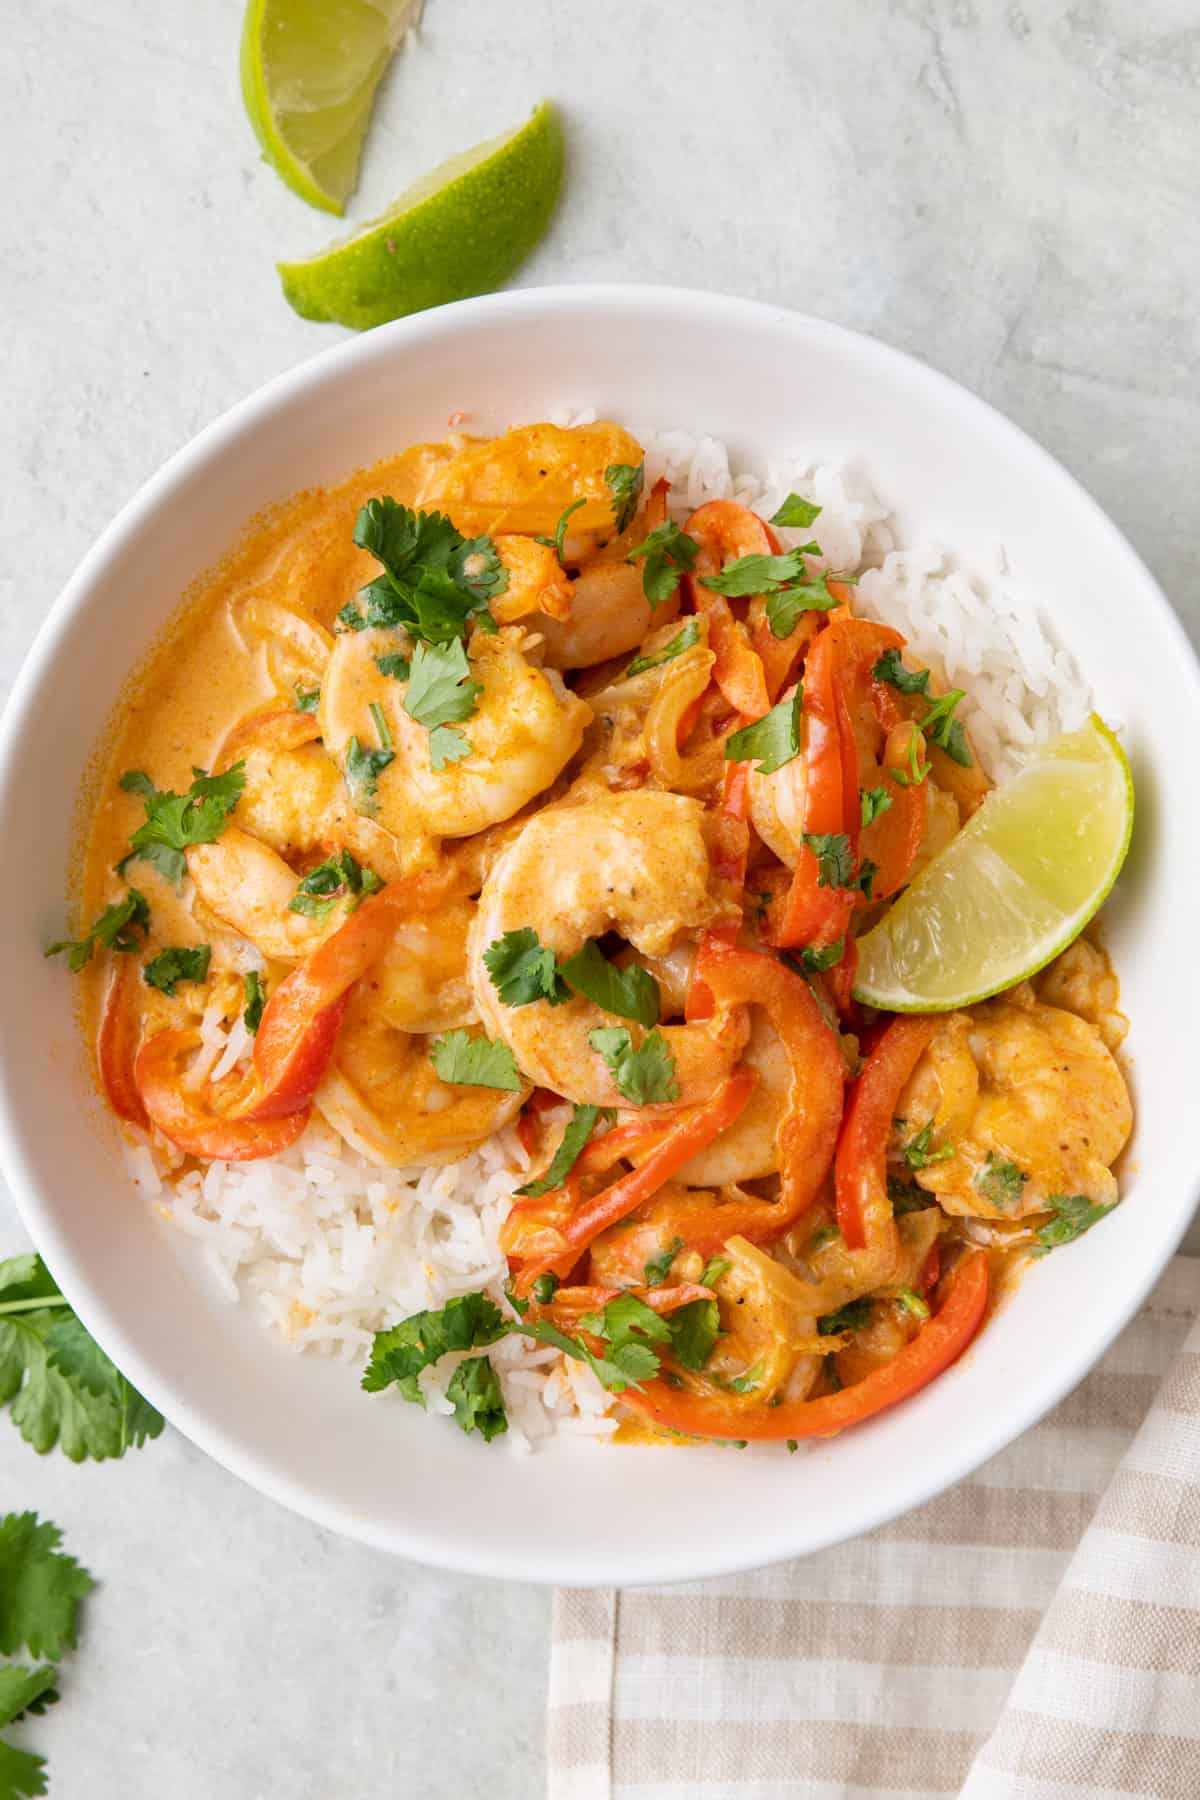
(1007, 189)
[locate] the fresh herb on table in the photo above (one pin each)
(474, 1062)
(40, 1591)
(177, 963)
(579, 1129)
(625, 483)
(667, 553)
(62, 1387)
(435, 583)
(645, 1076)
(339, 877)
(121, 926)
(256, 999)
(1073, 1215)
(556, 542)
(176, 822)
(683, 640)
(773, 740)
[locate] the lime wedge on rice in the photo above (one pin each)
(1016, 886)
(460, 230)
(310, 69)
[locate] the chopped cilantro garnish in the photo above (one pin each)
(912, 1303)
(121, 926)
(906, 1198)
(256, 999)
(774, 739)
(746, 1383)
(439, 692)
(890, 668)
(393, 664)
(339, 877)
(786, 604)
(668, 552)
(714, 1268)
(872, 803)
(795, 511)
(659, 1266)
(174, 822)
(1000, 1182)
(435, 581)
(307, 699)
(177, 963)
(825, 1234)
(942, 728)
(815, 962)
(523, 969)
(917, 769)
(401, 1352)
(474, 1392)
(474, 1062)
(630, 993)
(1074, 1214)
(625, 484)
(865, 879)
(555, 543)
(854, 1316)
(547, 1285)
(363, 769)
(646, 1076)
(579, 1129)
(695, 1329)
(917, 1153)
(683, 640)
(835, 860)
(758, 574)
(380, 724)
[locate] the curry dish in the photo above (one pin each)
(493, 796)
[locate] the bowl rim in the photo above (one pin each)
(313, 375)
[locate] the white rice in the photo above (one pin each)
(326, 1247)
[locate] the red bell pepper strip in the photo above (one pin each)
(180, 1116)
(864, 1211)
(682, 1142)
(940, 1342)
(117, 1044)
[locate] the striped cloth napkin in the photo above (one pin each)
(1034, 1634)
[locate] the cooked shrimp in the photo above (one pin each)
(1030, 1102)
(248, 885)
(609, 616)
(525, 727)
(420, 982)
(748, 1148)
(768, 1330)
(296, 646)
(385, 1097)
(1081, 981)
(633, 862)
(525, 480)
(640, 718)
(537, 582)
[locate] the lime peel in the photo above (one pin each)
(1013, 888)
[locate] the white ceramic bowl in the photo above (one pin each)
(298, 1428)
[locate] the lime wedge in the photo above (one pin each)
(1016, 886)
(460, 230)
(309, 74)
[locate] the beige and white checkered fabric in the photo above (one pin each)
(1032, 1635)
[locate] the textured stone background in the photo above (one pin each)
(1008, 190)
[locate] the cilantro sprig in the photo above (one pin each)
(917, 1151)
(773, 740)
(667, 553)
(939, 724)
(41, 1588)
(659, 1265)
(795, 511)
(524, 970)
(176, 822)
(121, 926)
(835, 859)
(58, 1383)
(464, 1061)
(1073, 1215)
(440, 694)
(176, 963)
(362, 770)
(872, 804)
(399, 1354)
(435, 584)
(256, 999)
(579, 1129)
(625, 482)
(339, 877)
(645, 1076)
(556, 542)
(683, 640)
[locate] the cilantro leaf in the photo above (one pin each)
(400, 1352)
(695, 1329)
(1001, 1182)
(1074, 1214)
(435, 581)
(120, 926)
(555, 543)
(854, 1316)
(625, 1368)
(579, 1129)
(393, 664)
(625, 483)
(795, 511)
(815, 962)
(865, 879)
(256, 999)
(630, 993)
(40, 1588)
(774, 739)
(890, 668)
(943, 729)
(917, 1153)
(872, 804)
(307, 699)
(21, 1773)
(438, 692)
(906, 1198)
(758, 574)
(714, 1268)
(474, 1390)
(628, 1320)
(62, 1386)
(174, 822)
(177, 963)
(913, 1303)
(659, 1267)
(474, 1062)
(683, 640)
(339, 877)
(362, 771)
(786, 604)
(523, 969)
(545, 1286)
(668, 552)
(645, 1076)
(835, 861)
(25, 1690)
